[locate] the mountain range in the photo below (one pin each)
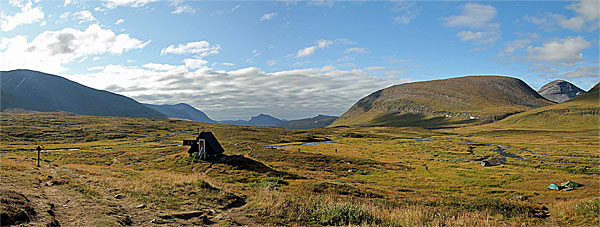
(430, 104)
(437, 102)
(259, 120)
(579, 113)
(560, 91)
(320, 121)
(182, 111)
(32, 90)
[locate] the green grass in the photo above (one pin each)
(386, 176)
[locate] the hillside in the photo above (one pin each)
(320, 121)
(182, 111)
(441, 102)
(259, 120)
(580, 113)
(32, 90)
(560, 91)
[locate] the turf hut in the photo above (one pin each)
(204, 147)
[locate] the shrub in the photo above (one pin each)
(270, 182)
(506, 208)
(341, 214)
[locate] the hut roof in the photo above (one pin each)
(212, 144)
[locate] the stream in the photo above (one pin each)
(304, 144)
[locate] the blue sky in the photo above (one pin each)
(294, 59)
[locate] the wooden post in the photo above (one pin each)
(39, 149)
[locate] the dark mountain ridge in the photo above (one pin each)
(182, 111)
(320, 121)
(37, 91)
(259, 120)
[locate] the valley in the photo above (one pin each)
(131, 171)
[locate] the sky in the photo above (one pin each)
(294, 59)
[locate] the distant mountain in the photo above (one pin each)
(579, 113)
(260, 120)
(560, 91)
(443, 102)
(182, 111)
(320, 121)
(32, 90)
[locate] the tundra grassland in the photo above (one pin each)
(131, 171)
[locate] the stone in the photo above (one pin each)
(127, 221)
(118, 196)
(518, 197)
(140, 206)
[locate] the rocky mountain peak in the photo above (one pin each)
(560, 91)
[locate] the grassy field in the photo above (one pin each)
(129, 171)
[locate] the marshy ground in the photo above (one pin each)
(128, 171)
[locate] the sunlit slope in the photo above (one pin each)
(427, 103)
(579, 113)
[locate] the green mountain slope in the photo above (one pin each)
(580, 113)
(442, 102)
(32, 90)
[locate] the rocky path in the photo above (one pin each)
(59, 197)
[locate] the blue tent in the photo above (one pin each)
(553, 186)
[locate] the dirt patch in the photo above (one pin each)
(15, 208)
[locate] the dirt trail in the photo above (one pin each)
(59, 195)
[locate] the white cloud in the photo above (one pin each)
(120, 21)
(241, 93)
(405, 18)
(587, 13)
(589, 10)
(511, 46)
(183, 9)
(267, 16)
(561, 52)
(583, 71)
(358, 50)
(159, 67)
(473, 16)
(322, 3)
(64, 15)
(16, 3)
(84, 16)
(111, 4)
(375, 68)
(479, 37)
(194, 63)
(306, 52)
(407, 11)
(49, 50)
(200, 48)
(271, 62)
(573, 23)
(67, 2)
(322, 43)
(478, 18)
(235, 8)
(227, 64)
(27, 15)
